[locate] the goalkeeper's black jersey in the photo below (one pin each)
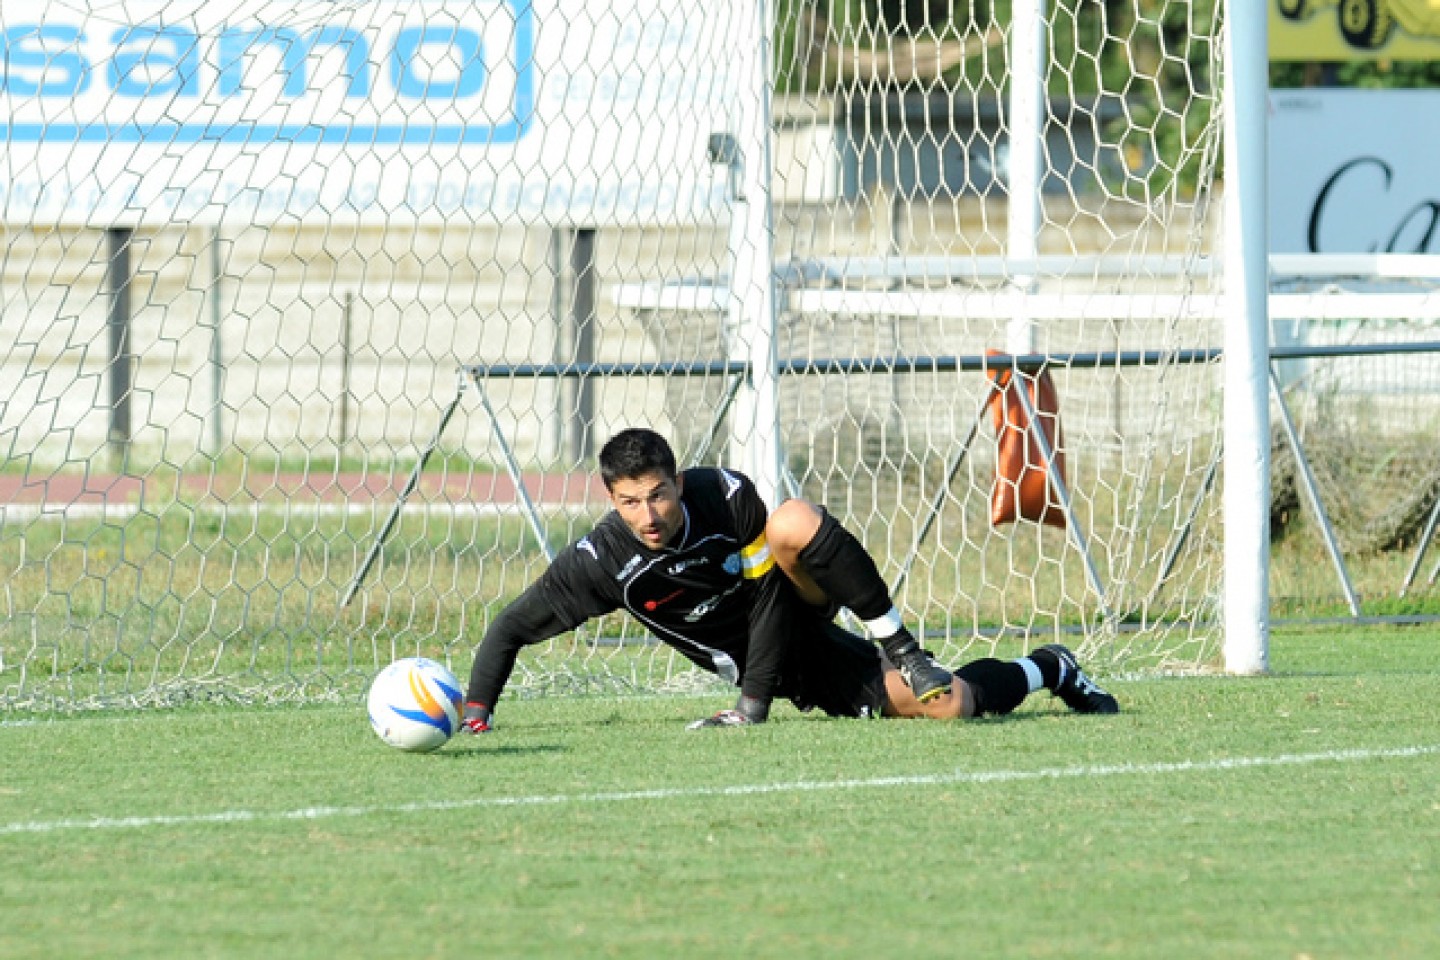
(713, 594)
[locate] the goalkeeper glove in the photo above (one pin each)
(748, 711)
(477, 718)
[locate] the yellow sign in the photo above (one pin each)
(1316, 30)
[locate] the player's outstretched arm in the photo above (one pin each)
(530, 619)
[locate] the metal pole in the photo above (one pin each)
(410, 484)
(702, 453)
(752, 317)
(1167, 565)
(512, 466)
(118, 278)
(937, 502)
(1421, 547)
(1026, 133)
(1312, 493)
(1247, 342)
(582, 318)
(345, 334)
(1062, 493)
(217, 353)
(552, 444)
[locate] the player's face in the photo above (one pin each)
(650, 506)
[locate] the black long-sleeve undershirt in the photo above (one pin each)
(529, 620)
(713, 594)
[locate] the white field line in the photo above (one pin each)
(955, 778)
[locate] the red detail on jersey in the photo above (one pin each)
(652, 604)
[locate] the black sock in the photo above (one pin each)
(1049, 665)
(999, 687)
(842, 567)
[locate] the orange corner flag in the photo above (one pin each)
(1022, 485)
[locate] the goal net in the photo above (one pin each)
(1355, 474)
(315, 313)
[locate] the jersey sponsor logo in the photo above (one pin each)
(732, 483)
(704, 608)
(586, 546)
(629, 567)
(683, 565)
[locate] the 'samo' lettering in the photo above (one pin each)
(137, 62)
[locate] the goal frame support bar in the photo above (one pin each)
(1028, 364)
(1420, 549)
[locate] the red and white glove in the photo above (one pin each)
(725, 718)
(477, 718)
(747, 712)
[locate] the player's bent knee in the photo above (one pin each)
(791, 526)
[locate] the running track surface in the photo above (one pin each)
(60, 490)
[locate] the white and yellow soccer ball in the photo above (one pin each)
(415, 704)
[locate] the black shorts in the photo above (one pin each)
(831, 669)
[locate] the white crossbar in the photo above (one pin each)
(1102, 306)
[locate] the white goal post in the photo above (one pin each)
(313, 314)
(1247, 346)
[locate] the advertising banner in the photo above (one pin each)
(1353, 171)
(378, 110)
(1337, 30)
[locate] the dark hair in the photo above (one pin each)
(633, 453)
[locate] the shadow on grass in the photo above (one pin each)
(475, 750)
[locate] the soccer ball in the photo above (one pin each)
(415, 704)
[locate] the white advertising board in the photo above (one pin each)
(152, 111)
(1354, 171)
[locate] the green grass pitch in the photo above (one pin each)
(1290, 816)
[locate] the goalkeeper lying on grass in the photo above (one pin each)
(694, 557)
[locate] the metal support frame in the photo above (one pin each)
(1172, 555)
(717, 421)
(1312, 499)
(512, 467)
(410, 484)
(1420, 549)
(1057, 483)
(736, 371)
(1062, 493)
(937, 502)
(1312, 494)
(477, 375)
(119, 278)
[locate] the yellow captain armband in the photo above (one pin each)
(755, 559)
